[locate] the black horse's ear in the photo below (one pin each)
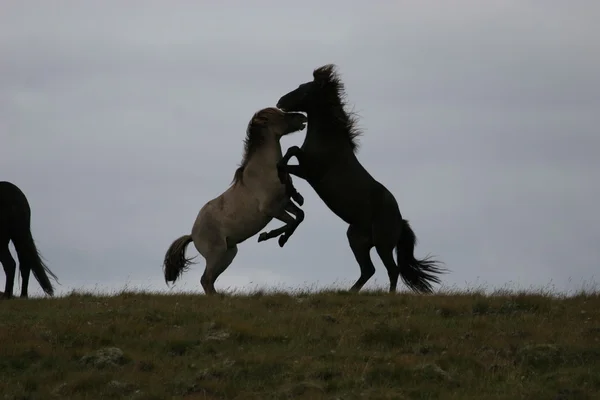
(324, 74)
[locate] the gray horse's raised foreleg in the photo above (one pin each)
(290, 226)
(291, 191)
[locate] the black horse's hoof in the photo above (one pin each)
(283, 240)
(262, 237)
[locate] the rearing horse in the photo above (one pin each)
(251, 202)
(327, 161)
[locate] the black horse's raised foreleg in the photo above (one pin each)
(284, 170)
(296, 170)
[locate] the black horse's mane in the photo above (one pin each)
(253, 140)
(334, 95)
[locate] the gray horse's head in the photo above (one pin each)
(269, 123)
(276, 122)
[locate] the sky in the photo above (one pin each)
(120, 120)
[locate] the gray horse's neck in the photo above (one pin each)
(263, 163)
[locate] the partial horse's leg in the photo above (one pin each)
(25, 272)
(361, 244)
(10, 267)
(217, 261)
(290, 224)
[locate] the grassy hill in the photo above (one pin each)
(329, 345)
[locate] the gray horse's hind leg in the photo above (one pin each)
(361, 244)
(217, 261)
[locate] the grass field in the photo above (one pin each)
(327, 345)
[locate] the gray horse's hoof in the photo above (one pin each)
(262, 237)
(298, 199)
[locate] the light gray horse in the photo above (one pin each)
(255, 197)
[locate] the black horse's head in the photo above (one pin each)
(324, 87)
(323, 99)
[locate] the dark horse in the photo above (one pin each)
(327, 161)
(15, 225)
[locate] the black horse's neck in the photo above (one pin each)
(330, 130)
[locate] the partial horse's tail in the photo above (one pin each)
(417, 274)
(29, 257)
(175, 261)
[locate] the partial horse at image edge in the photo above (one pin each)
(15, 226)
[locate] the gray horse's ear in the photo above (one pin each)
(260, 120)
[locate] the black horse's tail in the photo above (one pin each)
(417, 274)
(29, 257)
(175, 261)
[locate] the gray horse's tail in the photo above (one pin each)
(175, 261)
(29, 257)
(417, 274)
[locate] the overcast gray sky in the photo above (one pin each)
(119, 120)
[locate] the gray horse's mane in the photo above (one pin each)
(254, 138)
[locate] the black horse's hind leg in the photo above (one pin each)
(10, 267)
(386, 231)
(361, 244)
(386, 254)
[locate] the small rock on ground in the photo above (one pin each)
(108, 356)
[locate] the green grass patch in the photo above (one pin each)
(324, 345)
